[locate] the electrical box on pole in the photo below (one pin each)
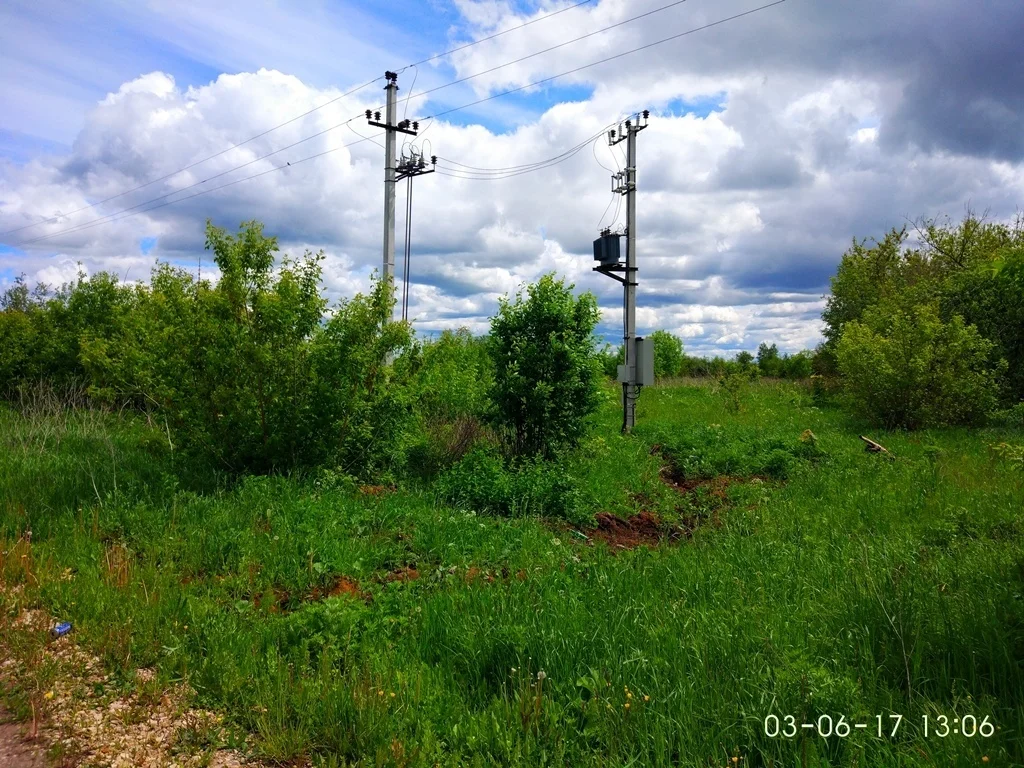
(633, 374)
(644, 361)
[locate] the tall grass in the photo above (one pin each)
(844, 584)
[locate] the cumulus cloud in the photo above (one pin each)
(773, 140)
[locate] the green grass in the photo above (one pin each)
(837, 583)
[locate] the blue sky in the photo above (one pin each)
(774, 141)
(91, 51)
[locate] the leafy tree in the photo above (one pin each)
(906, 368)
(610, 358)
(865, 276)
(991, 297)
(545, 382)
(744, 359)
(668, 354)
(42, 331)
(798, 366)
(247, 373)
(768, 360)
(360, 413)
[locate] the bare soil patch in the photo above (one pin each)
(16, 750)
(642, 529)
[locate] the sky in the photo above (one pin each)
(774, 139)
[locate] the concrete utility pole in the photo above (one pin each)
(391, 129)
(638, 369)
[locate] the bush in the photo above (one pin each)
(42, 331)
(246, 372)
(1011, 417)
(484, 483)
(545, 377)
(909, 369)
(451, 377)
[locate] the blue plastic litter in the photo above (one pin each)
(61, 629)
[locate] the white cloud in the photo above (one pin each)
(743, 212)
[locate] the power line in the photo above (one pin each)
(291, 120)
(197, 162)
(86, 224)
(431, 117)
(215, 189)
(494, 174)
(604, 60)
(496, 34)
(472, 171)
(547, 50)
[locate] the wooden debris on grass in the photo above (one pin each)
(873, 447)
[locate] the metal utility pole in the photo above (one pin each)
(606, 249)
(411, 165)
(391, 129)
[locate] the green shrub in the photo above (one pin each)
(247, 373)
(451, 377)
(991, 297)
(42, 331)
(909, 369)
(483, 482)
(1011, 417)
(545, 377)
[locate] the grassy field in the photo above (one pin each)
(796, 575)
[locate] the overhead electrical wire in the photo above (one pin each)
(546, 50)
(496, 34)
(222, 186)
(448, 168)
(117, 215)
(291, 120)
(86, 224)
(197, 162)
(603, 61)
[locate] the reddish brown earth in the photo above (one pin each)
(642, 529)
(405, 573)
(16, 751)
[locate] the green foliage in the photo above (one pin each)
(42, 331)
(973, 270)
(910, 369)
(990, 296)
(545, 380)
(1012, 454)
(483, 482)
(768, 360)
(452, 376)
(1011, 417)
(247, 373)
(668, 354)
(734, 385)
(852, 586)
(865, 277)
(609, 359)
